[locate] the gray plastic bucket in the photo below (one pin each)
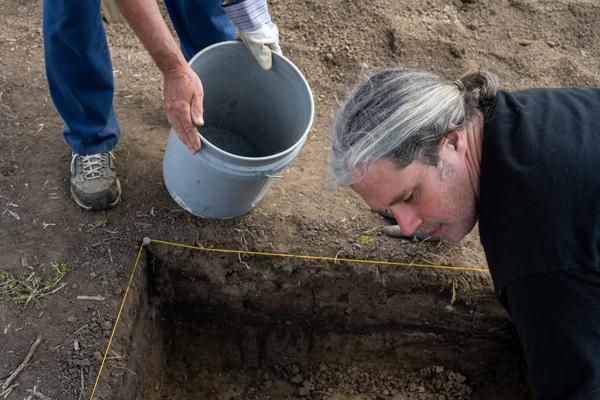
(255, 124)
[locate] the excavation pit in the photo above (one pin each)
(201, 325)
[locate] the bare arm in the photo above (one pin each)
(183, 91)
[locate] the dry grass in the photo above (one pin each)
(29, 286)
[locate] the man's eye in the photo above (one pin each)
(410, 197)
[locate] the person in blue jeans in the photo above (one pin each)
(80, 78)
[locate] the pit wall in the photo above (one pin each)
(268, 310)
(224, 313)
(139, 338)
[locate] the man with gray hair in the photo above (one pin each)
(440, 155)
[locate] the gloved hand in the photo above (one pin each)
(257, 31)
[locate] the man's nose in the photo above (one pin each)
(407, 219)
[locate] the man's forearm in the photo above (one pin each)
(145, 19)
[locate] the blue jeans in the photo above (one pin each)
(79, 68)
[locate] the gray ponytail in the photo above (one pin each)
(480, 89)
(404, 114)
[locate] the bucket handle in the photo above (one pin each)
(282, 176)
(275, 176)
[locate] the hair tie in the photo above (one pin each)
(460, 85)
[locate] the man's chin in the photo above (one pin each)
(454, 237)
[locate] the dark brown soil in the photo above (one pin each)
(211, 327)
(304, 328)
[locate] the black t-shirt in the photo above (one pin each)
(539, 208)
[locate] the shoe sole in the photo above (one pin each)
(88, 207)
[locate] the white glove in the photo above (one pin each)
(262, 42)
(257, 31)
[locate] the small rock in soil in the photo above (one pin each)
(97, 355)
(302, 391)
(81, 363)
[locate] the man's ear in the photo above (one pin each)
(455, 140)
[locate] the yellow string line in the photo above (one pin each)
(117, 321)
(256, 253)
(334, 259)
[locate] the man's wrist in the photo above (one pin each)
(172, 64)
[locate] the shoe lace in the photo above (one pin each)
(91, 165)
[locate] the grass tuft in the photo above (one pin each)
(30, 286)
(101, 223)
(365, 239)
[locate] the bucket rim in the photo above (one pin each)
(302, 138)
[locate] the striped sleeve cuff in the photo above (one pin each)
(248, 15)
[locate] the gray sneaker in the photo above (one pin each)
(94, 182)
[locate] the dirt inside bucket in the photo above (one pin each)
(231, 142)
(202, 326)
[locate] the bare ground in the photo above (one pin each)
(528, 43)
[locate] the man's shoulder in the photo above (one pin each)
(541, 98)
(539, 191)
